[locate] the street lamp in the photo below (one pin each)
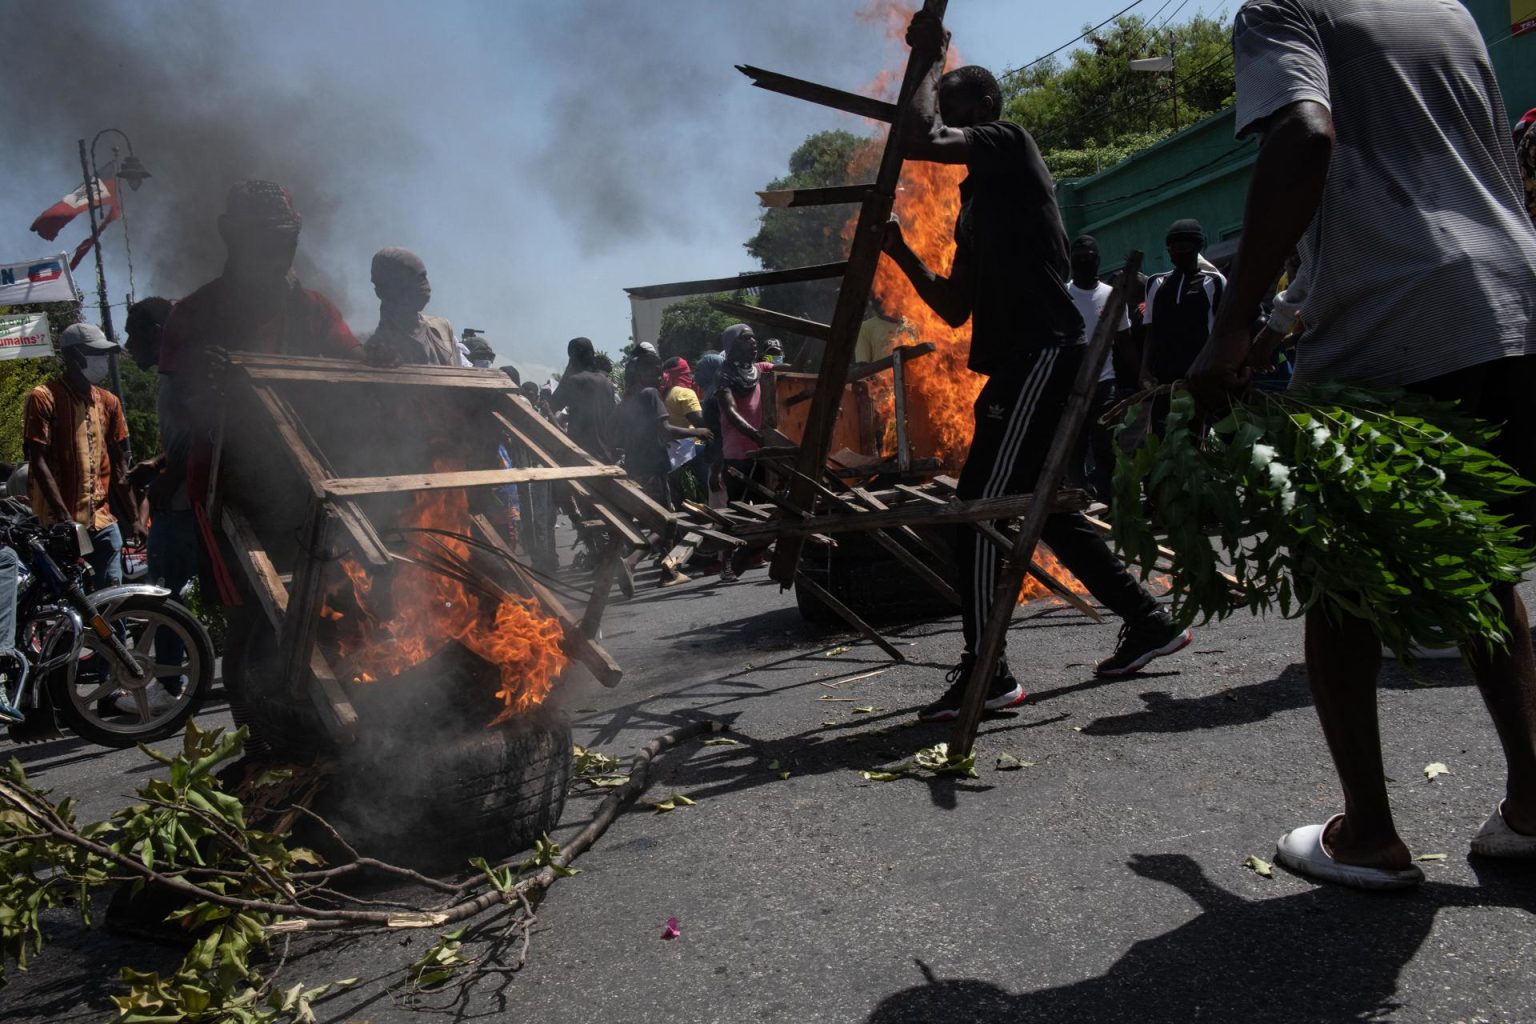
(1160, 64)
(133, 171)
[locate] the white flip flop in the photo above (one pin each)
(1497, 839)
(1302, 851)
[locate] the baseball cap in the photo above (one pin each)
(86, 336)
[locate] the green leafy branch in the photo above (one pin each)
(1376, 505)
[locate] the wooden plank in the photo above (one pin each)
(847, 615)
(899, 396)
(773, 318)
(608, 568)
(902, 553)
(301, 618)
(356, 373)
(620, 525)
(576, 644)
(1052, 472)
(837, 99)
(758, 279)
(331, 699)
(682, 551)
(622, 493)
(865, 370)
(1009, 506)
(831, 196)
(852, 300)
(259, 570)
(351, 487)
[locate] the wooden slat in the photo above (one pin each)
(830, 196)
(825, 95)
(259, 570)
(848, 615)
(351, 487)
(1053, 471)
(610, 563)
(1009, 506)
(758, 279)
(615, 522)
(773, 318)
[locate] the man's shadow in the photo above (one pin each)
(1324, 955)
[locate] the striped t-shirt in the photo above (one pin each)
(1421, 259)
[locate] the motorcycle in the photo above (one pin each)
(120, 666)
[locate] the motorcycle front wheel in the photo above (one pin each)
(171, 647)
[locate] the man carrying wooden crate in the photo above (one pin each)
(1009, 279)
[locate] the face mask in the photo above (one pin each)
(96, 368)
(774, 358)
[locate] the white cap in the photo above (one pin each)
(87, 336)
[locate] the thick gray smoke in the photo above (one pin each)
(648, 94)
(202, 114)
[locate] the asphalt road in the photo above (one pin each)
(1103, 882)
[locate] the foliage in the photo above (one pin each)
(1366, 504)
(1091, 110)
(693, 326)
(935, 759)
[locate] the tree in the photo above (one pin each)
(1094, 110)
(693, 326)
(805, 236)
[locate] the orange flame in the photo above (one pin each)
(423, 610)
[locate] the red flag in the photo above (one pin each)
(114, 212)
(52, 220)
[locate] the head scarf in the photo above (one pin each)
(581, 353)
(739, 371)
(679, 375)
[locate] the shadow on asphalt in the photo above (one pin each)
(1327, 954)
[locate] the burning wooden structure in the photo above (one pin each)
(350, 498)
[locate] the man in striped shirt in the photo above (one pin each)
(1384, 154)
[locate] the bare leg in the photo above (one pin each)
(1507, 680)
(1343, 661)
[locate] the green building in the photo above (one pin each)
(1203, 171)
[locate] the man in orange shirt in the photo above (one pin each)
(77, 451)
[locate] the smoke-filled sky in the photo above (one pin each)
(538, 157)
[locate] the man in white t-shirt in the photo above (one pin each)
(1091, 295)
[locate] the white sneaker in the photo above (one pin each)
(1497, 839)
(159, 702)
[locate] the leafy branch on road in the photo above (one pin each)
(240, 891)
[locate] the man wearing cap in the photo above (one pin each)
(405, 336)
(77, 451)
(1181, 307)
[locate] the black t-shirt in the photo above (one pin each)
(587, 398)
(639, 428)
(1010, 234)
(1181, 309)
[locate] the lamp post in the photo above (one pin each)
(1160, 64)
(133, 172)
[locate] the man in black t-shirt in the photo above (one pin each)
(1181, 307)
(1009, 279)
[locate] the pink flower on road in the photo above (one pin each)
(672, 930)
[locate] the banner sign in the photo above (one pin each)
(41, 280)
(25, 336)
(1522, 16)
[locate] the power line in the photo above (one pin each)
(1175, 14)
(1071, 42)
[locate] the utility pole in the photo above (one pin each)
(92, 200)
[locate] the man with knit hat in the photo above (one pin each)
(405, 335)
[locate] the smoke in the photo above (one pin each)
(644, 101)
(202, 114)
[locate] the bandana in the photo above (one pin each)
(739, 372)
(680, 376)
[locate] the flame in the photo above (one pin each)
(382, 634)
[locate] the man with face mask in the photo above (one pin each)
(405, 336)
(1009, 279)
(1181, 307)
(77, 451)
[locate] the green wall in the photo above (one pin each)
(1202, 172)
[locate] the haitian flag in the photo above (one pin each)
(113, 213)
(40, 280)
(52, 220)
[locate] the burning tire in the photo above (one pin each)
(438, 801)
(279, 724)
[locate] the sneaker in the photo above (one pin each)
(1141, 643)
(159, 703)
(729, 574)
(1005, 692)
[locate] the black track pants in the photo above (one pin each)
(1016, 417)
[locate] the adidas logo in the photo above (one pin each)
(995, 412)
